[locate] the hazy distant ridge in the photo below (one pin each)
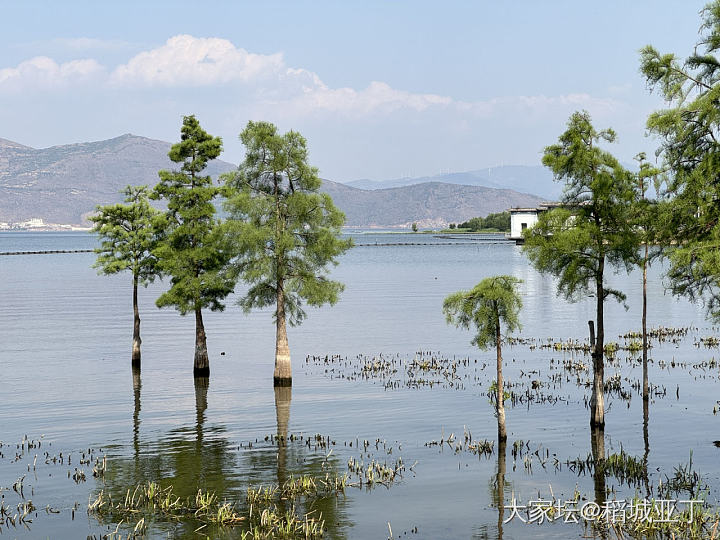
(525, 179)
(63, 184)
(428, 204)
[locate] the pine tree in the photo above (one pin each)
(192, 251)
(592, 228)
(285, 232)
(689, 147)
(127, 236)
(492, 302)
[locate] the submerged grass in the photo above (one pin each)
(262, 518)
(694, 522)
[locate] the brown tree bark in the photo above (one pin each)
(201, 366)
(135, 358)
(597, 400)
(283, 369)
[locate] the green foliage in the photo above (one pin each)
(414, 227)
(499, 221)
(491, 302)
(647, 213)
(285, 231)
(127, 236)
(452, 225)
(192, 251)
(593, 227)
(492, 393)
(690, 150)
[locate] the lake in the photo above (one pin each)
(67, 383)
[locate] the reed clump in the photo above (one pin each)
(261, 519)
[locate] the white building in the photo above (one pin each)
(526, 218)
(32, 223)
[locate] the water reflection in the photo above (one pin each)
(498, 489)
(597, 445)
(499, 498)
(202, 384)
(291, 459)
(198, 456)
(188, 458)
(283, 396)
(137, 386)
(646, 441)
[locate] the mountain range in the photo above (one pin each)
(64, 184)
(525, 179)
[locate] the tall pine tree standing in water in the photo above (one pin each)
(284, 230)
(127, 237)
(192, 252)
(592, 229)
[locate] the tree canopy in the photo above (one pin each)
(688, 130)
(592, 228)
(498, 220)
(192, 251)
(285, 232)
(491, 302)
(127, 236)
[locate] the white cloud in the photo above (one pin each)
(189, 61)
(378, 97)
(43, 73)
(266, 84)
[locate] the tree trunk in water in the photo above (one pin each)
(137, 387)
(502, 433)
(201, 367)
(500, 487)
(283, 369)
(597, 444)
(135, 359)
(597, 400)
(201, 391)
(646, 385)
(283, 396)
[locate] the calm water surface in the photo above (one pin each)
(64, 354)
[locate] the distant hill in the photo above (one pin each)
(430, 204)
(63, 184)
(525, 179)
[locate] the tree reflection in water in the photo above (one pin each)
(197, 457)
(498, 489)
(499, 499)
(597, 446)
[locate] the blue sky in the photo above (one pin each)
(380, 89)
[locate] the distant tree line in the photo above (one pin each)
(499, 221)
